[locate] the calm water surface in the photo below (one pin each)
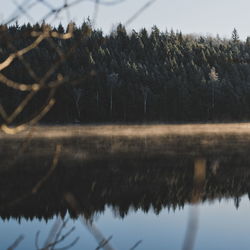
(147, 191)
(221, 226)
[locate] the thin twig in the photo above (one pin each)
(38, 186)
(52, 168)
(95, 14)
(37, 240)
(23, 51)
(16, 243)
(90, 226)
(138, 13)
(70, 245)
(61, 239)
(136, 245)
(104, 242)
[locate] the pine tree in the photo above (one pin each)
(235, 36)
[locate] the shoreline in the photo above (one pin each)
(119, 130)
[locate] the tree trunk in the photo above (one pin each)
(111, 101)
(145, 103)
(97, 98)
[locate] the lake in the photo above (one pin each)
(126, 187)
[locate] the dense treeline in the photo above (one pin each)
(132, 77)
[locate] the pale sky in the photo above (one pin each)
(189, 16)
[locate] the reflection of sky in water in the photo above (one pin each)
(221, 226)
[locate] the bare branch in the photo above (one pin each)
(23, 51)
(16, 243)
(138, 13)
(136, 245)
(37, 240)
(104, 242)
(52, 168)
(90, 226)
(61, 239)
(38, 186)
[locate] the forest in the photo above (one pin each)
(135, 76)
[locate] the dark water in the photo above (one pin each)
(172, 192)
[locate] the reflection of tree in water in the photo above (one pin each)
(122, 183)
